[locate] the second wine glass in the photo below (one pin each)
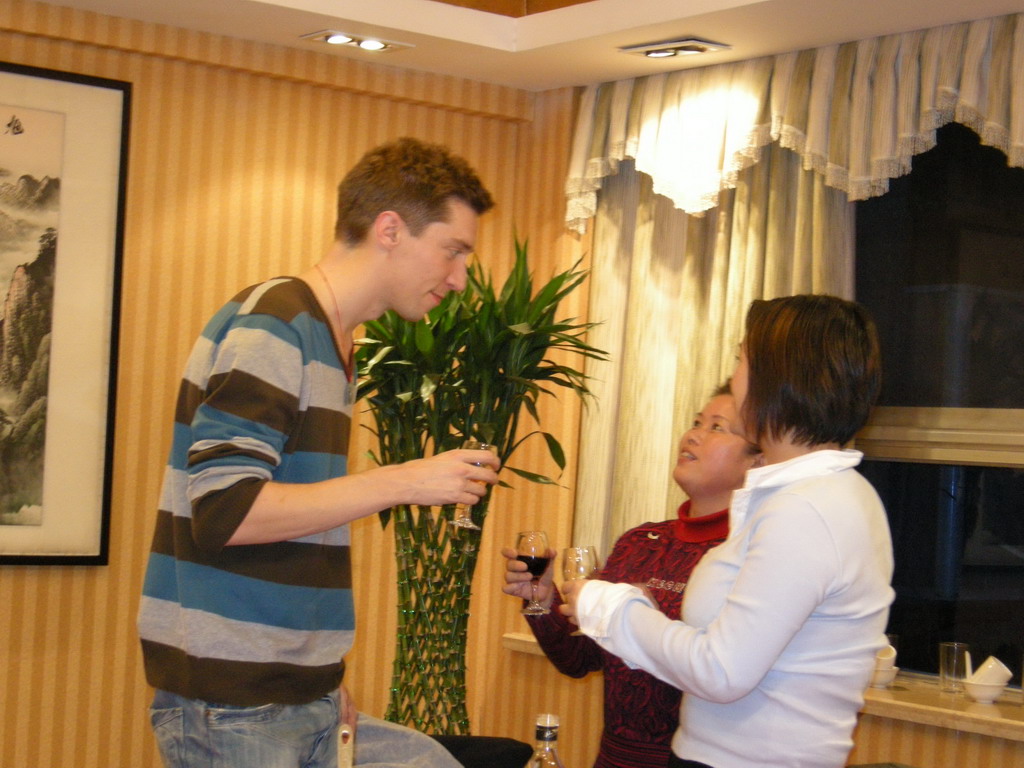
(532, 548)
(462, 517)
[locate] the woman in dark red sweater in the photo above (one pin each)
(640, 712)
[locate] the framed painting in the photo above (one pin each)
(63, 158)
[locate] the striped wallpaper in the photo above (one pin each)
(236, 149)
(879, 740)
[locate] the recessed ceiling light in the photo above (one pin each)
(685, 47)
(334, 37)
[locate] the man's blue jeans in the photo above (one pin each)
(194, 733)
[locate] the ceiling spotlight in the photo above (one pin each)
(334, 37)
(667, 48)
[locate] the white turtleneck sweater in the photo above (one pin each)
(780, 623)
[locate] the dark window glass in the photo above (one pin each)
(958, 538)
(940, 263)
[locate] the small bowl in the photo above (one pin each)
(880, 678)
(984, 693)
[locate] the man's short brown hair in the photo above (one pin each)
(814, 369)
(414, 179)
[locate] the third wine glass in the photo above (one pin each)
(462, 517)
(579, 563)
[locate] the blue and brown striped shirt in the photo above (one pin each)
(264, 397)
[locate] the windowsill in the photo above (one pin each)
(912, 698)
(916, 698)
(523, 642)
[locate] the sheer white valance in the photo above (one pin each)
(856, 112)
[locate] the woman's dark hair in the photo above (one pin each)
(814, 368)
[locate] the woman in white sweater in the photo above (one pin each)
(780, 622)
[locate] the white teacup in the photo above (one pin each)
(885, 658)
(991, 671)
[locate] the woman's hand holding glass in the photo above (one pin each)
(519, 582)
(570, 591)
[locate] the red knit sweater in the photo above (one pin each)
(640, 712)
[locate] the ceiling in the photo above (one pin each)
(542, 44)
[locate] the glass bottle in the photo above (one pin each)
(545, 755)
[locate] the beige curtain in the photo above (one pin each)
(710, 187)
(671, 290)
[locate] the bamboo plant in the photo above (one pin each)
(475, 367)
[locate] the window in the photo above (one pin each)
(958, 535)
(940, 263)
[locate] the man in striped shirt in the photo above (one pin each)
(247, 610)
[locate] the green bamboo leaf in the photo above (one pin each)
(380, 355)
(424, 337)
(533, 477)
(555, 449)
(428, 385)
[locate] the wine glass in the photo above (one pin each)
(532, 549)
(462, 517)
(579, 563)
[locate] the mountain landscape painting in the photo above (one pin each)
(31, 142)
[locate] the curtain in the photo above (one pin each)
(856, 112)
(670, 291)
(710, 187)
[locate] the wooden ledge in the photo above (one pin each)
(522, 642)
(916, 698)
(912, 698)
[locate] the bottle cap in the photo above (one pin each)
(547, 728)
